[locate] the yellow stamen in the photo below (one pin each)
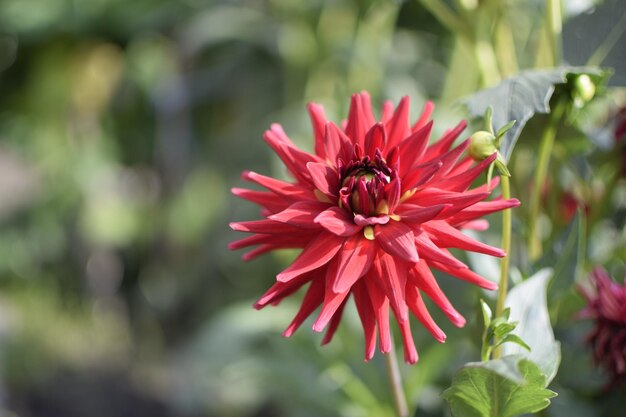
(394, 217)
(407, 194)
(368, 232)
(383, 207)
(321, 196)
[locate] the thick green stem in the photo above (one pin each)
(555, 25)
(484, 52)
(541, 171)
(395, 381)
(503, 285)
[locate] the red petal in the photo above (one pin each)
(479, 225)
(462, 166)
(375, 139)
(387, 111)
(338, 145)
(449, 159)
(338, 222)
(361, 220)
(263, 198)
(351, 263)
(392, 274)
(325, 178)
(280, 290)
(444, 235)
(293, 158)
(367, 316)
(466, 274)
(312, 300)
(425, 281)
(392, 191)
(317, 253)
(318, 121)
(281, 188)
(431, 196)
(412, 148)
(429, 251)
(482, 209)
(413, 214)
(263, 226)
(418, 308)
(358, 123)
(420, 175)
(332, 303)
(291, 240)
(398, 127)
(397, 239)
(380, 303)
(426, 113)
(334, 323)
(410, 353)
(446, 141)
(462, 181)
(301, 214)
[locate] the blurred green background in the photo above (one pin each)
(123, 125)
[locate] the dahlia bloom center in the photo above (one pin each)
(367, 187)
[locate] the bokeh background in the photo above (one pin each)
(123, 126)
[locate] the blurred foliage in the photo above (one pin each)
(122, 127)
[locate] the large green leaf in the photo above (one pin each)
(520, 97)
(566, 256)
(528, 304)
(506, 387)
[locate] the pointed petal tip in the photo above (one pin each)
(289, 331)
(440, 337)
(515, 202)
(500, 253)
(283, 277)
(319, 325)
(246, 257)
(458, 320)
(411, 358)
(237, 227)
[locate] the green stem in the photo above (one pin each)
(395, 381)
(506, 246)
(484, 52)
(555, 25)
(541, 172)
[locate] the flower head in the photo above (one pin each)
(373, 209)
(606, 305)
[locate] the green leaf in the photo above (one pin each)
(520, 97)
(513, 338)
(487, 314)
(529, 308)
(506, 387)
(503, 329)
(569, 252)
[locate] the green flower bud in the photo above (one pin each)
(482, 145)
(584, 90)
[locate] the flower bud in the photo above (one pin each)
(584, 89)
(482, 145)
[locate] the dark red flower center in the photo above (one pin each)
(365, 184)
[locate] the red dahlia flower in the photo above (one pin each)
(374, 209)
(606, 305)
